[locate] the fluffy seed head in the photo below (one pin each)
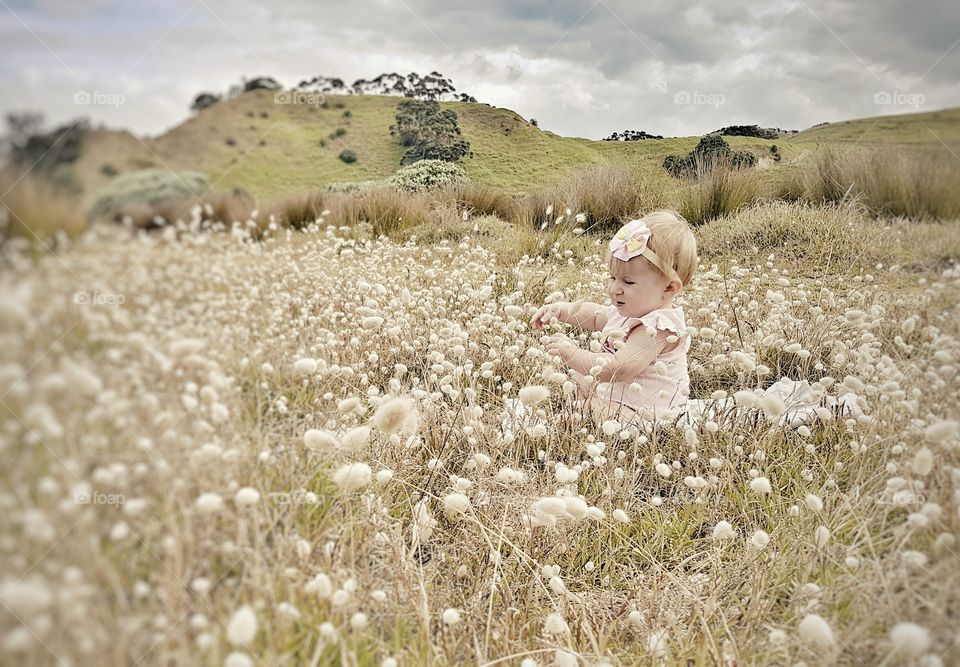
(352, 476)
(555, 625)
(320, 441)
(909, 639)
(815, 632)
(243, 626)
(396, 414)
(534, 395)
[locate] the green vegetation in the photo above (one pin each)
(150, 187)
(428, 132)
(427, 175)
(711, 151)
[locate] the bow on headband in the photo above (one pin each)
(632, 240)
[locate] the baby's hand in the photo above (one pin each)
(543, 317)
(560, 345)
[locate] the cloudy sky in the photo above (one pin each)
(581, 67)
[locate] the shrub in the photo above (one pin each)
(427, 175)
(710, 150)
(337, 133)
(348, 156)
(108, 170)
(204, 101)
(428, 132)
(150, 187)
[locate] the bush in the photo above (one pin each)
(348, 156)
(711, 150)
(428, 132)
(427, 175)
(150, 187)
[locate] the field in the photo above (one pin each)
(263, 446)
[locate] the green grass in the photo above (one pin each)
(912, 128)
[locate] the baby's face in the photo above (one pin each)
(637, 288)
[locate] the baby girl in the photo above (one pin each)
(640, 371)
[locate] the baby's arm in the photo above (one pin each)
(638, 351)
(583, 314)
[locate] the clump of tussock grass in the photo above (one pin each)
(717, 190)
(35, 210)
(920, 183)
(840, 235)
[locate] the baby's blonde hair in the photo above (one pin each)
(673, 241)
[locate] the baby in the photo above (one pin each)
(640, 371)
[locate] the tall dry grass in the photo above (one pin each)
(605, 195)
(34, 209)
(890, 181)
(717, 190)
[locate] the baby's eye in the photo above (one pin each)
(629, 282)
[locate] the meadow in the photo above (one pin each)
(259, 445)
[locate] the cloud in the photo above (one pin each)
(581, 67)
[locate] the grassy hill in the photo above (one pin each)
(272, 150)
(914, 128)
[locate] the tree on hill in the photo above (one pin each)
(204, 100)
(711, 151)
(32, 148)
(428, 132)
(261, 83)
(632, 135)
(749, 131)
(433, 86)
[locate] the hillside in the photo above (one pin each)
(913, 128)
(277, 147)
(273, 150)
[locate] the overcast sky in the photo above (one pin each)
(581, 67)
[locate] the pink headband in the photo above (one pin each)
(632, 240)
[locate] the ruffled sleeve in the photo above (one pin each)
(663, 319)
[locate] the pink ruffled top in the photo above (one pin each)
(663, 387)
